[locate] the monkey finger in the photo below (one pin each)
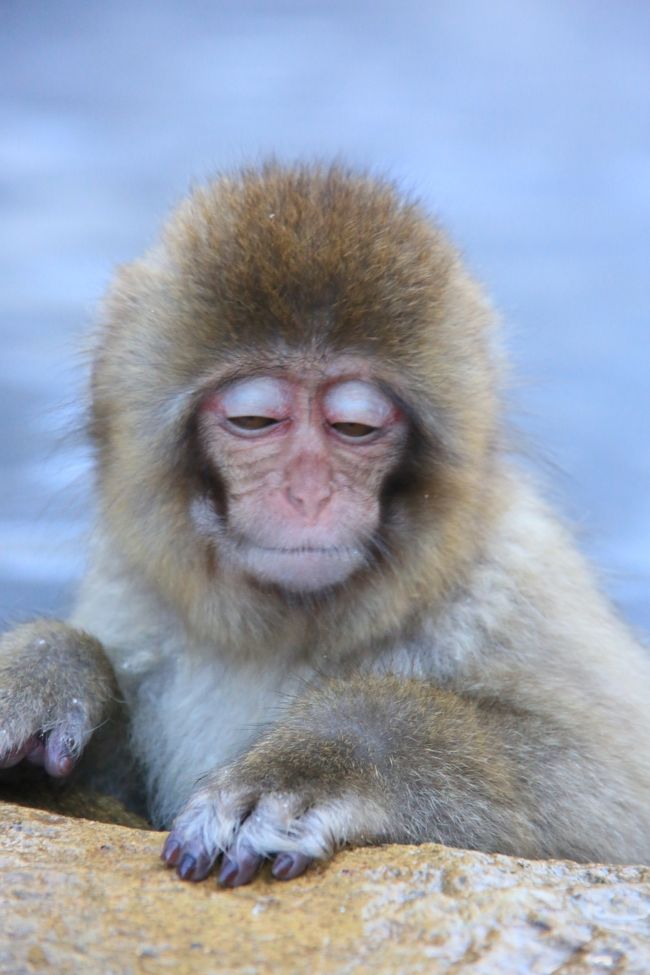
(284, 822)
(60, 753)
(192, 859)
(195, 867)
(56, 752)
(239, 865)
(171, 851)
(205, 828)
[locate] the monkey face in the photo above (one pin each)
(302, 458)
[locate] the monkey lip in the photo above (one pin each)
(300, 568)
(333, 550)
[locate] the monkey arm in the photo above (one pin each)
(382, 759)
(56, 687)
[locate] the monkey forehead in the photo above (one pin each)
(280, 366)
(308, 254)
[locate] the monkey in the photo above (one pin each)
(324, 606)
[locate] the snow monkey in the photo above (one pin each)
(323, 606)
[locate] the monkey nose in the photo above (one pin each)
(309, 501)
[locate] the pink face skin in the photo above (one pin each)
(303, 461)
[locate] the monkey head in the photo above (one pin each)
(298, 378)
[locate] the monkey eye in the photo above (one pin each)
(255, 405)
(354, 430)
(252, 423)
(356, 410)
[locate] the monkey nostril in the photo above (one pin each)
(309, 503)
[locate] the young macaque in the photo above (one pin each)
(334, 609)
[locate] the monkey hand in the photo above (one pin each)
(265, 807)
(55, 687)
(322, 778)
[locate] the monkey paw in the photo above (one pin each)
(49, 736)
(246, 826)
(46, 734)
(52, 695)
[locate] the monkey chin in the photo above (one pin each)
(299, 570)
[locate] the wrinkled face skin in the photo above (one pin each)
(302, 458)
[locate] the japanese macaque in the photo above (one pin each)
(331, 609)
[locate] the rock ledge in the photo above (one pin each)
(84, 896)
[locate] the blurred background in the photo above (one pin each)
(524, 124)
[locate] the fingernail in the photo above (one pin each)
(249, 863)
(282, 865)
(228, 872)
(65, 765)
(59, 757)
(287, 866)
(171, 851)
(204, 863)
(186, 867)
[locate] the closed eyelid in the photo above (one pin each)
(262, 395)
(357, 401)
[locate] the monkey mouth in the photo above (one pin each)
(336, 551)
(299, 568)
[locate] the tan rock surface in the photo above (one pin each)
(88, 897)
